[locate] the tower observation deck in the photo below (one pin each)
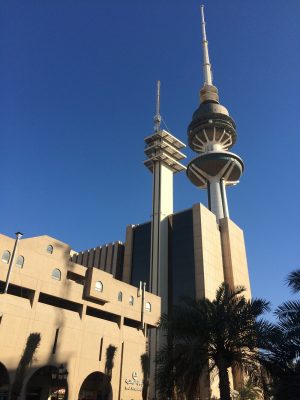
(211, 134)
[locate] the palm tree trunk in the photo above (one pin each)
(224, 384)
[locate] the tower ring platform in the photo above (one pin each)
(211, 123)
(214, 166)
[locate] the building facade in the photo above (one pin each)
(90, 323)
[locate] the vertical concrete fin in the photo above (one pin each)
(85, 258)
(91, 258)
(103, 257)
(108, 266)
(97, 257)
(127, 266)
(198, 253)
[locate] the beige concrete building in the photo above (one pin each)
(203, 252)
(80, 313)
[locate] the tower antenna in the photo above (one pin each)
(157, 117)
(207, 73)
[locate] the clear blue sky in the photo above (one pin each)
(77, 84)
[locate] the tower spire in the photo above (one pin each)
(157, 117)
(208, 92)
(207, 74)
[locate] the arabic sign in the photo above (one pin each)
(133, 383)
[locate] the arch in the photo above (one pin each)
(50, 249)
(6, 256)
(20, 262)
(120, 296)
(56, 274)
(99, 286)
(45, 385)
(4, 382)
(96, 386)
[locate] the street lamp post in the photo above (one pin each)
(59, 380)
(18, 237)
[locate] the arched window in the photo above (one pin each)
(120, 296)
(148, 306)
(6, 256)
(99, 286)
(20, 262)
(131, 300)
(56, 274)
(50, 249)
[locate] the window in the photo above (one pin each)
(120, 296)
(6, 256)
(50, 249)
(131, 300)
(20, 262)
(99, 286)
(56, 274)
(148, 306)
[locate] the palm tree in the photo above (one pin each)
(282, 358)
(289, 313)
(249, 392)
(282, 365)
(211, 335)
(293, 281)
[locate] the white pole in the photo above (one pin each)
(18, 237)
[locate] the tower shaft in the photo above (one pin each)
(162, 150)
(217, 198)
(162, 207)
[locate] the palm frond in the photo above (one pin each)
(288, 309)
(293, 281)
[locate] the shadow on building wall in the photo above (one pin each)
(33, 342)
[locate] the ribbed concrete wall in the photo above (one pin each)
(108, 257)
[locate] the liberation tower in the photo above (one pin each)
(212, 133)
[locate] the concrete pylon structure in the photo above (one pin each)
(212, 133)
(163, 152)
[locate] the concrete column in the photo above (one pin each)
(162, 207)
(224, 199)
(216, 199)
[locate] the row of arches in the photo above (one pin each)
(44, 384)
